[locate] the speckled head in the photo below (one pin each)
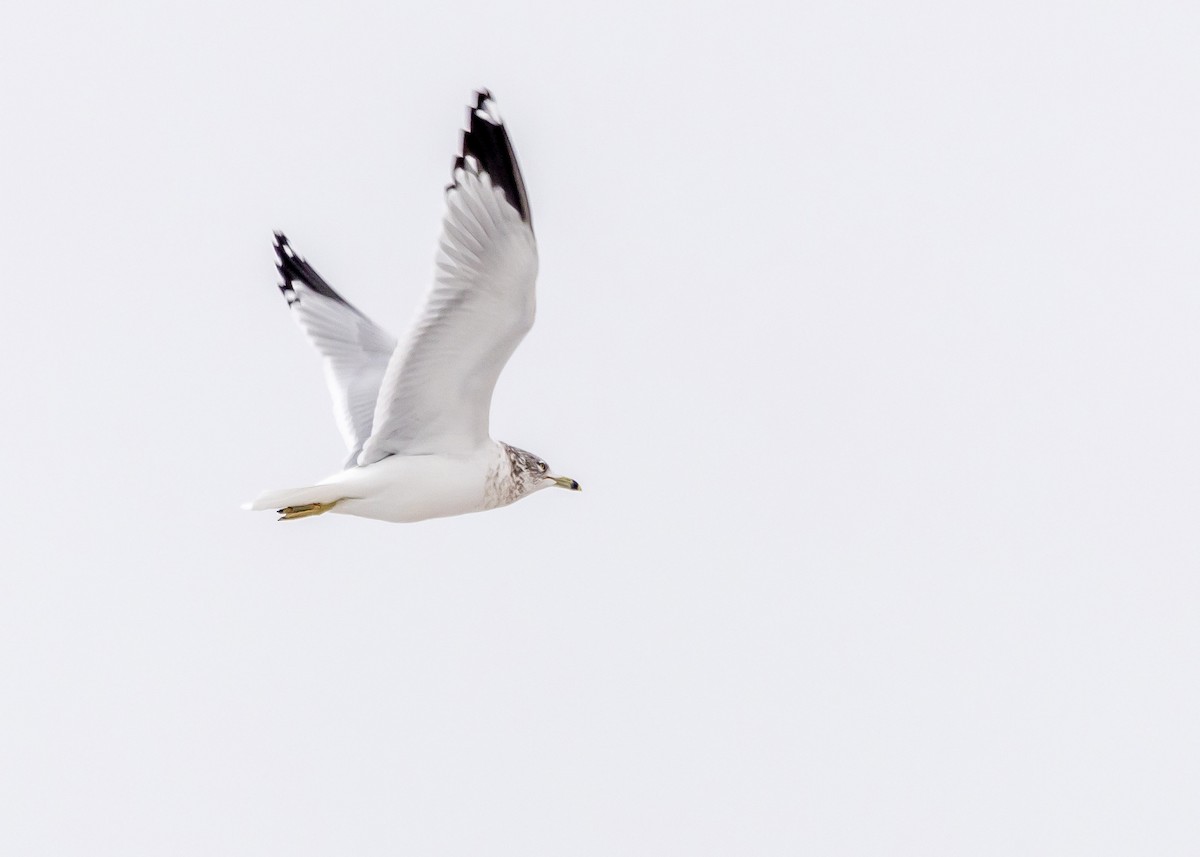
(533, 474)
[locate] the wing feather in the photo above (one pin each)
(355, 349)
(437, 391)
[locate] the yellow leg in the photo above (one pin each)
(308, 510)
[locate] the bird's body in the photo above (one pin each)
(407, 488)
(415, 414)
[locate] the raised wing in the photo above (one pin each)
(356, 350)
(437, 391)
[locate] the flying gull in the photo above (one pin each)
(415, 414)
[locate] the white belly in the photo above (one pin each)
(405, 488)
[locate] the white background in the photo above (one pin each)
(868, 328)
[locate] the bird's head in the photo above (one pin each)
(534, 474)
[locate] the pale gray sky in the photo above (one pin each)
(870, 330)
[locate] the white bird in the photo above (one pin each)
(415, 415)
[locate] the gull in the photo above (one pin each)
(414, 414)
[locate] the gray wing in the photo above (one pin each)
(355, 349)
(437, 392)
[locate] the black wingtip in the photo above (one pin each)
(284, 253)
(292, 268)
(486, 140)
(285, 287)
